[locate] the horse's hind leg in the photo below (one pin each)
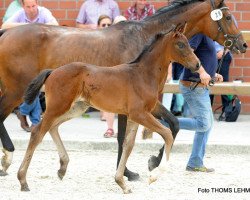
(36, 137)
(128, 144)
(76, 110)
(64, 158)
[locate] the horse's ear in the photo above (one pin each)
(180, 28)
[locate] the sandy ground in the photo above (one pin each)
(90, 175)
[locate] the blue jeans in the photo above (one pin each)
(198, 101)
(33, 111)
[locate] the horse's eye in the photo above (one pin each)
(228, 17)
(181, 45)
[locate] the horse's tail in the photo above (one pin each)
(2, 31)
(36, 84)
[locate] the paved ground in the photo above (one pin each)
(91, 169)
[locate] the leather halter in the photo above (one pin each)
(230, 40)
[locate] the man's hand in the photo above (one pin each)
(204, 76)
(218, 78)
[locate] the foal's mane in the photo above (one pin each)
(150, 45)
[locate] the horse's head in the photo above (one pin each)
(222, 27)
(181, 51)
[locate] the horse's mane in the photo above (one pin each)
(172, 6)
(150, 45)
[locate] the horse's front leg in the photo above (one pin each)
(7, 104)
(6, 162)
(160, 112)
(153, 124)
(128, 145)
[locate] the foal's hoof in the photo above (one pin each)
(3, 173)
(25, 187)
(127, 191)
(154, 175)
(60, 174)
(153, 162)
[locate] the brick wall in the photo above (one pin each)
(66, 11)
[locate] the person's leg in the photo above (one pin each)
(110, 118)
(24, 110)
(200, 108)
(35, 114)
(199, 104)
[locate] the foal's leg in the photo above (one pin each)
(160, 112)
(148, 120)
(76, 110)
(128, 144)
(36, 137)
(64, 158)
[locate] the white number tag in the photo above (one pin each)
(216, 15)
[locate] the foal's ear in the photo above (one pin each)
(179, 29)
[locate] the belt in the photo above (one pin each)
(190, 83)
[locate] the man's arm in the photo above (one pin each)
(7, 24)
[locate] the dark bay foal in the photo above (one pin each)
(135, 87)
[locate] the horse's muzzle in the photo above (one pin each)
(197, 67)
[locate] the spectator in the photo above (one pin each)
(139, 10)
(92, 9)
(30, 13)
(103, 22)
(12, 9)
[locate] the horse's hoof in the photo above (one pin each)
(127, 191)
(131, 175)
(154, 175)
(60, 174)
(3, 173)
(151, 179)
(153, 162)
(25, 188)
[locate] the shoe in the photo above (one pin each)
(131, 175)
(109, 133)
(200, 169)
(24, 123)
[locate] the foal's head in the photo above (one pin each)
(180, 50)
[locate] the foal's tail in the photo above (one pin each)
(36, 84)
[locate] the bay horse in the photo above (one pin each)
(35, 47)
(137, 84)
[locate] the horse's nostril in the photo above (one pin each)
(245, 45)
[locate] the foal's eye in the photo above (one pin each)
(181, 45)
